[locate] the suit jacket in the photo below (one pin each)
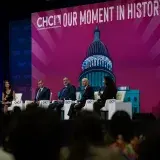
(68, 94)
(88, 94)
(109, 93)
(44, 94)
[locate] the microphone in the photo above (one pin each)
(100, 89)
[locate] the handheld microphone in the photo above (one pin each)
(100, 89)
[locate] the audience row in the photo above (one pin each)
(38, 133)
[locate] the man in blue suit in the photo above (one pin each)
(66, 93)
(42, 93)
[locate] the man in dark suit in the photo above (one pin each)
(42, 93)
(67, 93)
(88, 93)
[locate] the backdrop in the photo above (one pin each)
(20, 57)
(128, 38)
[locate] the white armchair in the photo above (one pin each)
(66, 107)
(18, 96)
(89, 105)
(44, 103)
(17, 102)
(112, 105)
(120, 96)
(27, 102)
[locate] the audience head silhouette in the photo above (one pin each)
(121, 125)
(36, 136)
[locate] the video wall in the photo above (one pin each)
(20, 57)
(114, 39)
(121, 40)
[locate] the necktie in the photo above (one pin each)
(38, 93)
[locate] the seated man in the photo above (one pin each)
(42, 93)
(87, 94)
(67, 93)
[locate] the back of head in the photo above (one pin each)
(121, 124)
(150, 147)
(36, 135)
(31, 106)
(1, 125)
(17, 110)
(88, 126)
(109, 80)
(87, 132)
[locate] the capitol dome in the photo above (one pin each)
(97, 63)
(97, 47)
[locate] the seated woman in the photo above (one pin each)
(110, 92)
(7, 96)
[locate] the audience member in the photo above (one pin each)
(150, 147)
(122, 130)
(13, 116)
(88, 93)
(87, 131)
(88, 140)
(36, 136)
(31, 106)
(3, 154)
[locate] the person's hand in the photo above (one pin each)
(4, 99)
(38, 102)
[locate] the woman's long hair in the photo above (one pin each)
(111, 86)
(109, 82)
(4, 87)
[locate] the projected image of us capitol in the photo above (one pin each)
(97, 63)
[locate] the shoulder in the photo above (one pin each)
(90, 88)
(72, 86)
(12, 91)
(45, 88)
(4, 155)
(64, 153)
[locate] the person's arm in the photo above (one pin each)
(104, 95)
(48, 94)
(71, 94)
(87, 95)
(3, 97)
(35, 96)
(14, 95)
(59, 94)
